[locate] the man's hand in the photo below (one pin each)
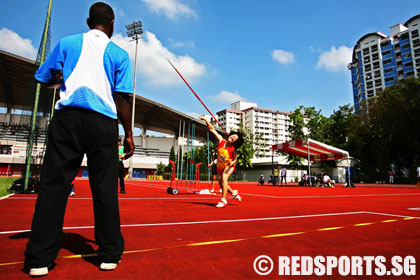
(59, 81)
(128, 146)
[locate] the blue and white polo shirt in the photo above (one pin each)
(93, 69)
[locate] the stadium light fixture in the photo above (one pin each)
(134, 30)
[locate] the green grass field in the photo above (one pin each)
(5, 184)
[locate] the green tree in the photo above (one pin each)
(296, 130)
(389, 134)
(317, 125)
(340, 125)
(160, 168)
(168, 168)
(253, 145)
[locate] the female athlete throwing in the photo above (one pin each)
(226, 160)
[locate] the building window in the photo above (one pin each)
(415, 33)
(387, 61)
(410, 64)
(389, 79)
(388, 70)
(404, 36)
(386, 52)
(411, 73)
(406, 46)
(365, 51)
(384, 44)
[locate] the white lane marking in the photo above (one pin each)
(248, 194)
(209, 222)
(332, 196)
(391, 215)
(6, 196)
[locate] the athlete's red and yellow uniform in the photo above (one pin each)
(224, 156)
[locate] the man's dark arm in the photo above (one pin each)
(57, 83)
(123, 104)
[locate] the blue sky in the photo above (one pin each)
(279, 54)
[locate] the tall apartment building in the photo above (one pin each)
(379, 61)
(273, 125)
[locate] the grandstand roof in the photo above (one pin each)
(17, 91)
(17, 83)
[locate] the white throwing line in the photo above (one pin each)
(209, 222)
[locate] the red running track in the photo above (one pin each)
(185, 237)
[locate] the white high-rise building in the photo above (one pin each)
(273, 125)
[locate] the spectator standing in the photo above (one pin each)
(283, 174)
(213, 166)
(121, 171)
(276, 174)
(418, 177)
(391, 176)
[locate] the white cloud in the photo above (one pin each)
(335, 59)
(12, 42)
(185, 44)
(153, 65)
(173, 9)
(282, 57)
(226, 97)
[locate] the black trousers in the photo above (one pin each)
(121, 175)
(73, 133)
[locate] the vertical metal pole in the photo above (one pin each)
(133, 111)
(272, 162)
(53, 104)
(208, 157)
(187, 174)
(37, 93)
(177, 152)
(182, 152)
(309, 166)
(192, 161)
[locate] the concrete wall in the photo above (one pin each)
(164, 144)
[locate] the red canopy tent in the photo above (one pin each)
(311, 150)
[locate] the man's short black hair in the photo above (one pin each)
(100, 14)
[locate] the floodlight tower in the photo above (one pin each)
(134, 30)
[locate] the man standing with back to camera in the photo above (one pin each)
(96, 80)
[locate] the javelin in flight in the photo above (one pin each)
(196, 95)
